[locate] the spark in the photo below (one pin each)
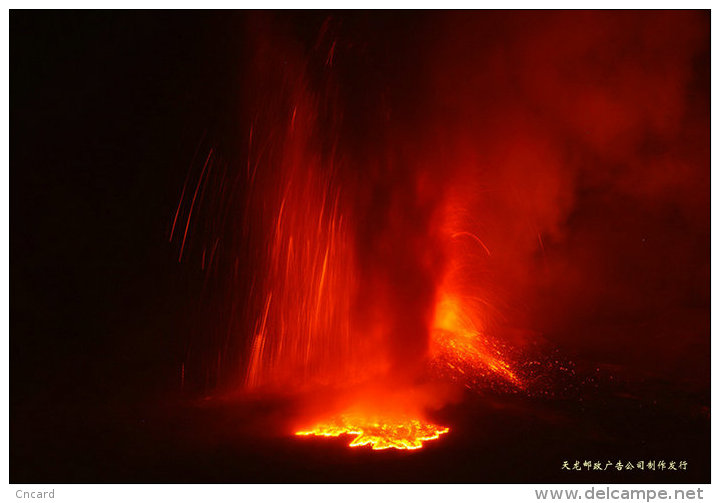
(458, 343)
(192, 205)
(473, 236)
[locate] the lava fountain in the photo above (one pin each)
(339, 293)
(353, 271)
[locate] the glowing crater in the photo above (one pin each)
(379, 433)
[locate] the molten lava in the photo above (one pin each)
(348, 260)
(378, 431)
(458, 343)
(416, 198)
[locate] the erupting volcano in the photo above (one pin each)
(387, 228)
(360, 246)
(354, 272)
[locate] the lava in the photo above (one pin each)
(459, 344)
(378, 431)
(344, 260)
(303, 272)
(406, 217)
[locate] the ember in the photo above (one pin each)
(458, 343)
(384, 230)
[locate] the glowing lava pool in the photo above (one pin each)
(379, 433)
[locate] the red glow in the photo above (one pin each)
(379, 432)
(395, 226)
(459, 343)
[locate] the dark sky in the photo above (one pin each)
(598, 124)
(107, 109)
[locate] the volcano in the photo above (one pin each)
(360, 246)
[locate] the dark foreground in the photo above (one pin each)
(493, 439)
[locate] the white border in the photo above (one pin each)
(311, 493)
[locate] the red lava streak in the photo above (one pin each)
(421, 197)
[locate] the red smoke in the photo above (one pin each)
(581, 143)
(531, 172)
